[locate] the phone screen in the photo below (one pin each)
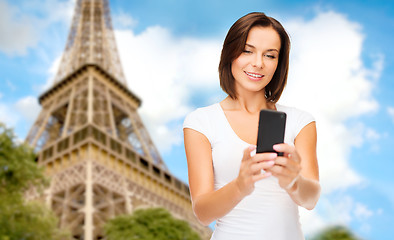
(271, 130)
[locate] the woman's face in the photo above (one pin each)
(256, 65)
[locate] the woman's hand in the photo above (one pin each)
(287, 168)
(251, 169)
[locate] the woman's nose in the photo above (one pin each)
(258, 62)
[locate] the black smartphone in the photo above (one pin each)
(271, 130)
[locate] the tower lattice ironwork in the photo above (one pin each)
(91, 140)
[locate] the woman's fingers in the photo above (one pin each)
(257, 167)
(288, 162)
(281, 171)
(247, 152)
(261, 157)
(261, 176)
(249, 172)
(289, 151)
(287, 167)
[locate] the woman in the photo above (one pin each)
(251, 196)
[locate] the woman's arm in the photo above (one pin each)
(298, 170)
(208, 204)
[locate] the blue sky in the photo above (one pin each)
(341, 71)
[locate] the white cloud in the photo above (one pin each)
(28, 107)
(362, 212)
(8, 116)
(20, 115)
(390, 111)
(311, 221)
(372, 138)
(58, 11)
(163, 70)
(23, 26)
(328, 78)
(52, 71)
(372, 135)
(123, 20)
(16, 30)
(339, 210)
(50, 11)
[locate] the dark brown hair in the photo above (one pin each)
(234, 45)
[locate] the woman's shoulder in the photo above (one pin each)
(293, 111)
(203, 120)
(207, 110)
(202, 114)
(296, 118)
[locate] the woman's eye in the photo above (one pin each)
(270, 56)
(247, 51)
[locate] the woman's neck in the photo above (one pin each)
(250, 103)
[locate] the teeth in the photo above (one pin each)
(254, 75)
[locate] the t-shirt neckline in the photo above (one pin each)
(228, 125)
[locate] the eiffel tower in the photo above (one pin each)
(91, 141)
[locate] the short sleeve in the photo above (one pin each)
(303, 119)
(198, 120)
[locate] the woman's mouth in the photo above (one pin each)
(254, 76)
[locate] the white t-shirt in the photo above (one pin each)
(268, 213)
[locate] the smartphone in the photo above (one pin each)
(271, 130)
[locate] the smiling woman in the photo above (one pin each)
(251, 196)
(256, 65)
(236, 43)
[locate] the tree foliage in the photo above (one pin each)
(149, 224)
(336, 233)
(18, 172)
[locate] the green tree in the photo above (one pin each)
(336, 233)
(18, 172)
(149, 224)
